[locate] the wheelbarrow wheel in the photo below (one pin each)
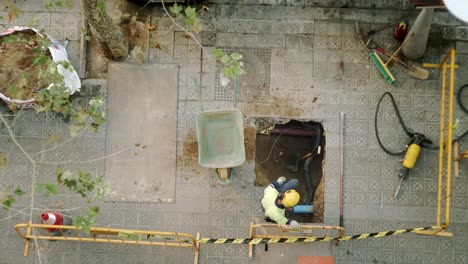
(223, 173)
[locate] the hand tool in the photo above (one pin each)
(413, 148)
(373, 31)
(382, 67)
(411, 156)
(342, 120)
(413, 70)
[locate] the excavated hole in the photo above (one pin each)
(284, 154)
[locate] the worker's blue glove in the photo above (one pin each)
(281, 180)
(278, 183)
(294, 224)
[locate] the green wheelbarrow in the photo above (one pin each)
(220, 135)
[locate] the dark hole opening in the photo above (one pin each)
(295, 150)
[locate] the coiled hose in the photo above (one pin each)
(310, 186)
(428, 144)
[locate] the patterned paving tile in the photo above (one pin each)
(303, 52)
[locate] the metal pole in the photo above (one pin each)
(342, 118)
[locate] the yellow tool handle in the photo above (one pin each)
(411, 156)
(435, 65)
(399, 48)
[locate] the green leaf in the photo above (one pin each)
(227, 72)
(59, 3)
(19, 192)
(190, 21)
(40, 187)
(47, 188)
(85, 222)
(70, 183)
(236, 71)
(94, 128)
(9, 200)
(41, 60)
(49, 5)
(99, 120)
(217, 53)
(52, 188)
(175, 9)
(59, 174)
(75, 129)
(236, 56)
(69, 4)
(63, 175)
(225, 59)
(101, 6)
(67, 65)
(190, 12)
(37, 50)
(12, 89)
(101, 187)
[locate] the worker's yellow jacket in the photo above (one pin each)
(271, 209)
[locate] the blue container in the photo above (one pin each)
(304, 209)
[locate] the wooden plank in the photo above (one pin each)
(315, 260)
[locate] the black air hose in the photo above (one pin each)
(428, 144)
(308, 177)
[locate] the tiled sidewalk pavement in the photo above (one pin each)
(303, 65)
(305, 45)
(35, 133)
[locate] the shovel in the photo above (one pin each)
(413, 70)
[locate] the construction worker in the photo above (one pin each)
(278, 201)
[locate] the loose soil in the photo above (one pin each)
(268, 169)
(249, 142)
(191, 149)
(19, 78)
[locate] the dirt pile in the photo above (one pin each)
(24, 63)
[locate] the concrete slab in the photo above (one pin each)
(290, 253)
(315, 260)
(142, 112)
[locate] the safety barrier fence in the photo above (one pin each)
(270, 233)
(273, 233)
(107, 235)
(444, 179)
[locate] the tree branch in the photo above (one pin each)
(190, 34)
(104, 30)
(61, 144)
(85, 161)
(33, 177)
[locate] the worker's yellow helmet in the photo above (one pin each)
(290, 198)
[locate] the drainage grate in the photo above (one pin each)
(255, 83)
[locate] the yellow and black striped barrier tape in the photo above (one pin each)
(256, 241)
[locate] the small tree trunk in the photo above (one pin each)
(103, 29)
